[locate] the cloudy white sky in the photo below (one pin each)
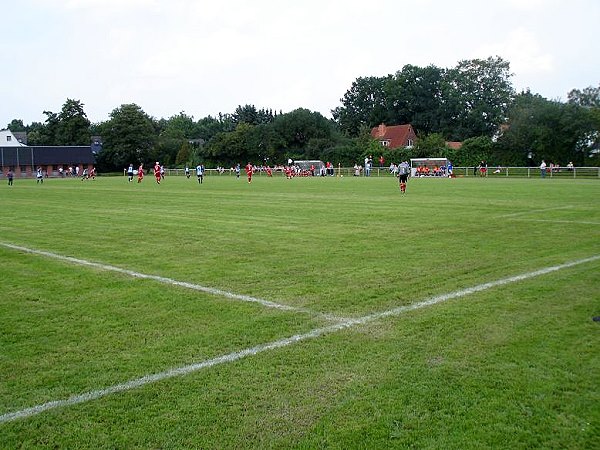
(205, 57)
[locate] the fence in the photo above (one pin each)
(530, 172)
(498, 172)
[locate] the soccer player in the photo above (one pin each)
(130, 173)
(200, 173)
(237, 170)
(140, 173)
(157, 172)
(249, 170)
(187, 172)
(39, 176)
(403, 172)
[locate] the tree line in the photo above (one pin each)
(474, 103)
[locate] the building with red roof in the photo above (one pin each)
(394, 136)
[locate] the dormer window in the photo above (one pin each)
(8, 138)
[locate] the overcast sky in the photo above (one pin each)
(205, 57)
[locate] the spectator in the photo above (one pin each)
(543, 169)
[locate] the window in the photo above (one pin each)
(8, 138)
(385, 143)
(409, 143)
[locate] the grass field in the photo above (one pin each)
(305, 313)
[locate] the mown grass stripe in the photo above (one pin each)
(231, 357)
(172, 282)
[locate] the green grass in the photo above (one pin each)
(515, 366)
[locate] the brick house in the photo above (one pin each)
(394, 136)
(24, 159)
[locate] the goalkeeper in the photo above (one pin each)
(403, 173)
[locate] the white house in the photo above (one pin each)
(7, 139)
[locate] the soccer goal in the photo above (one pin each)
(312, 167)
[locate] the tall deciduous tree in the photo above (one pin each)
(414, 96)
(365, 103)
(588, 97)
(16, 125)
(299, 126)
(129, 136)
(549, 130)
(73, 127)
(477, 94)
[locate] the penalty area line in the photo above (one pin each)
(235, 356)
(173, 282)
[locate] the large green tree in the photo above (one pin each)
(128, 138)
(364, 104)
(250, 115)
(476, 96)
(414, 96)
(587, 97)
(73, 127)
(16, 125)
(466, 101)
(549, 130)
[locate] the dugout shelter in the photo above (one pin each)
(429, 167)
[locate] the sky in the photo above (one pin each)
(207, 57)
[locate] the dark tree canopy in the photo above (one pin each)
(468, 100)
(128, 137)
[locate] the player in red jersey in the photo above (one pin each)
(157, 172)
(249, 169)
(140, 173)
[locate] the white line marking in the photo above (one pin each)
(533, 211)
(576, 222)
(180, 371)
(172, 282)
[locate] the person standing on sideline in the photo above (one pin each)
(39, 175)
(157, 172)
(10, 176)
(200, 173)
(403, 172)
(140, 173)
(249, 169)
(187, 172)
(543, 169)
(130, 173)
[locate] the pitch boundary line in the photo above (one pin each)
(317, 332)
(173, 282)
